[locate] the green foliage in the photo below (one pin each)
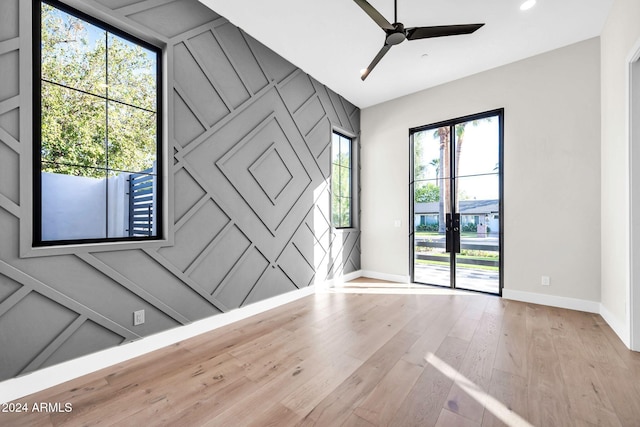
(427, 227)
(470, 227)
(98, 101)
(340, 200)
(480, 254)
(427, 193)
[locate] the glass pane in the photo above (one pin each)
(345, 186)
(73, 51)
(477, 190)
(431, 262)
(345, 152)
(335, 210)
(428, 191)
(345, 212)
(336, 179)
(477, 147)
(131, 73)
(477, 265)
(335, 148)
(341, 196)
(431, 149)
(73, 131)
(132, 138)
(335, 192)
(73, 206)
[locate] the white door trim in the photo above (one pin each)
(633, 137)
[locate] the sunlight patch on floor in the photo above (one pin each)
(373, 286)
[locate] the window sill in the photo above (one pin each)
(345, 229)
(41, 251)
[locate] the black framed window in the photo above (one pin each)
(97, 130)
(341, 181)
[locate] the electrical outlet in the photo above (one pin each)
(546, 281)
(138, 317)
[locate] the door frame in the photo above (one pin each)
(633, 138)
(452, 122)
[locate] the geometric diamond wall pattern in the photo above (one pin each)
(249, 135)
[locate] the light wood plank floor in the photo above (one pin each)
(371, 356)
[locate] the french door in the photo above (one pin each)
(456, 203)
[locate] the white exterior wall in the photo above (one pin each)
(73, 207)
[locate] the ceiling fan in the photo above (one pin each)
(396, 33)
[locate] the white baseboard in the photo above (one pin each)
(552, 300)
(16, 388)
(351, 276)
(620, 328)
(338, 281)
(384, 276)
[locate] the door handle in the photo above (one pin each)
(453, 233)
(449, 235)
(456, 233)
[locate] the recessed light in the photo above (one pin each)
(364, 70)
(528, 4)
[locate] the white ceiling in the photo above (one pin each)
(334, 39)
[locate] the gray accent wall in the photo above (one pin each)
(249, 145)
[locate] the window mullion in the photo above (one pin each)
(106, 132)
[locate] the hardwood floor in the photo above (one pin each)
(370, 356)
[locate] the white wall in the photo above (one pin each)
(620, 34)
(551, 167)
(119, 205)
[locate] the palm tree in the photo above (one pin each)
(445, 190)
(435, 164)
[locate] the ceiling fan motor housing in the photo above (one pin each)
(397, 35)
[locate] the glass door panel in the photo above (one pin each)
(432, 263)
(477, 201)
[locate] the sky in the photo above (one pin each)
(479, 156)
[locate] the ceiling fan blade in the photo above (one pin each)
(441, 31)
(374, 14)
(375, 61)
